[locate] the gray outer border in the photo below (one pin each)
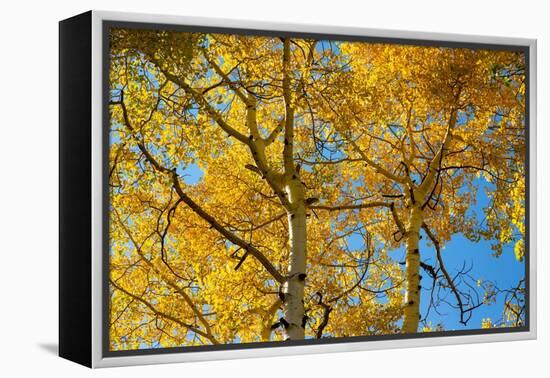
(98, 360)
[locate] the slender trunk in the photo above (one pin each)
(294, 288)
(412, 260)
(419, 198)
(268, 321)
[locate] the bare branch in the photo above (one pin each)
(377, 167)
(199, 98)
(430, 180)
(163, 314)
(327, 309)
(226, 79)
(366, 205)
(201, 212)
(170, 282)
(445, 273)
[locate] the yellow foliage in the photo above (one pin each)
(368, 119)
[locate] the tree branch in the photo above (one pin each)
(289, 111)
(366, 205)
(276, 131)
(435, 163)
(445, 273)
(201, 212)
(163, 314)
(327, 309)
(199, 98)
(226, 79)
(257, 153)
(377, 167)
(170, 282)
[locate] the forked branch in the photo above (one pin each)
(233, 238)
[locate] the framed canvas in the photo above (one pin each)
(235, 189)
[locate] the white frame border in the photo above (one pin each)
(97, 192)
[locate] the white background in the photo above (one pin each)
(29, 189)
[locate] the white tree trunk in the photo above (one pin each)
(412, 260)
(419, 196)
(294, 289)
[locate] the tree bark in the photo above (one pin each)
(294, 288)
(419, 198)
(412, 260)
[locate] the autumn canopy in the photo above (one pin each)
(269, 189)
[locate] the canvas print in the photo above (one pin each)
(278, 189)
